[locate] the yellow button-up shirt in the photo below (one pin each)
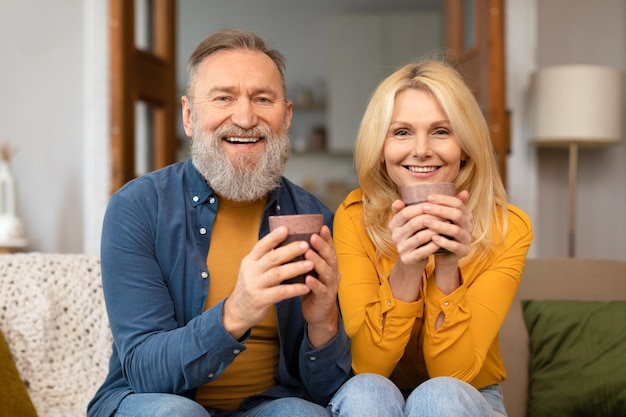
(398, 339)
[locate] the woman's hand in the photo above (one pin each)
(451, 218)
(455, 221)
(418, 232)
(411, 238)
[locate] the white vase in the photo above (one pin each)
(11, 230)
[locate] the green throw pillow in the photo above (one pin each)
(578, 358)
(14, 399)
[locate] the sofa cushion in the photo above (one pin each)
(14, 399)
(577, 357)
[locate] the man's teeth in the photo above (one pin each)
(422, 169)
(242, 140)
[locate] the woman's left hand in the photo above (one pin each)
(456, 222)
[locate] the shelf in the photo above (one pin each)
(318, 107)
(322, 154)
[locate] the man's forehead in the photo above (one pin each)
(234, 61)
(238, 68)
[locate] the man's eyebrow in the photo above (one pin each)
(270, 91)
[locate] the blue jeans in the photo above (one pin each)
(171, 405)
(364, 395)
(370, 395)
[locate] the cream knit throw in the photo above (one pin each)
(54, 319)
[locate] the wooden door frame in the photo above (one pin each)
(485, 69)
(139, 75)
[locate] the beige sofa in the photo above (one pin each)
(557, 279)
(54, 320)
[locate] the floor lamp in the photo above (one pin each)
(576, 106)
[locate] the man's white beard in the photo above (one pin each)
(248, 178)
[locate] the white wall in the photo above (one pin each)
(298, 29)
(42, 112)
(53, 106)
(520, 61)
(586, 34)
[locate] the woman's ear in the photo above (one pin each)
(464, 159)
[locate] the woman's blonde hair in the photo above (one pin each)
(478, 173)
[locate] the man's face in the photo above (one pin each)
(238, 118)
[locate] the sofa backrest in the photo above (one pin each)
(54, 320)
(551, 279)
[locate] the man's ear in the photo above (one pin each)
(289, 114)
(186, 114)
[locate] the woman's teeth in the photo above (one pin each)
(422, 169)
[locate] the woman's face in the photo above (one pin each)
(420, 145)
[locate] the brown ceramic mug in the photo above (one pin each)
(418, 193)
(300, 227)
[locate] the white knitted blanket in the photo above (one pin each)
(54, 320)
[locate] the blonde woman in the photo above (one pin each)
(424, 326)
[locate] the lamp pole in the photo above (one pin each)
(571, 210)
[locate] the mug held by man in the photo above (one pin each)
(300, 227)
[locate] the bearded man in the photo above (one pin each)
(191, 273)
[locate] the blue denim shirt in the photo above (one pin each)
(155, 240)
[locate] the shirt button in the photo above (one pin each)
(195, 198)
(212, 200)
(211, 375)
(236, 351)
(204, 275)
(388, 302)
(313, 358)
(445, 303)
(202, 231)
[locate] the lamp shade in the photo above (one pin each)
(580, 104)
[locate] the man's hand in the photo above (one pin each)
(319, 306)
(257, 289)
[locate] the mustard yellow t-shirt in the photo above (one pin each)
(407, 348)
(235, 232)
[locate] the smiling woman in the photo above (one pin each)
(423, 320)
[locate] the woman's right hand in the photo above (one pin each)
(413, 243)
(411, 236)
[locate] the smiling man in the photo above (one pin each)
(191, 272)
